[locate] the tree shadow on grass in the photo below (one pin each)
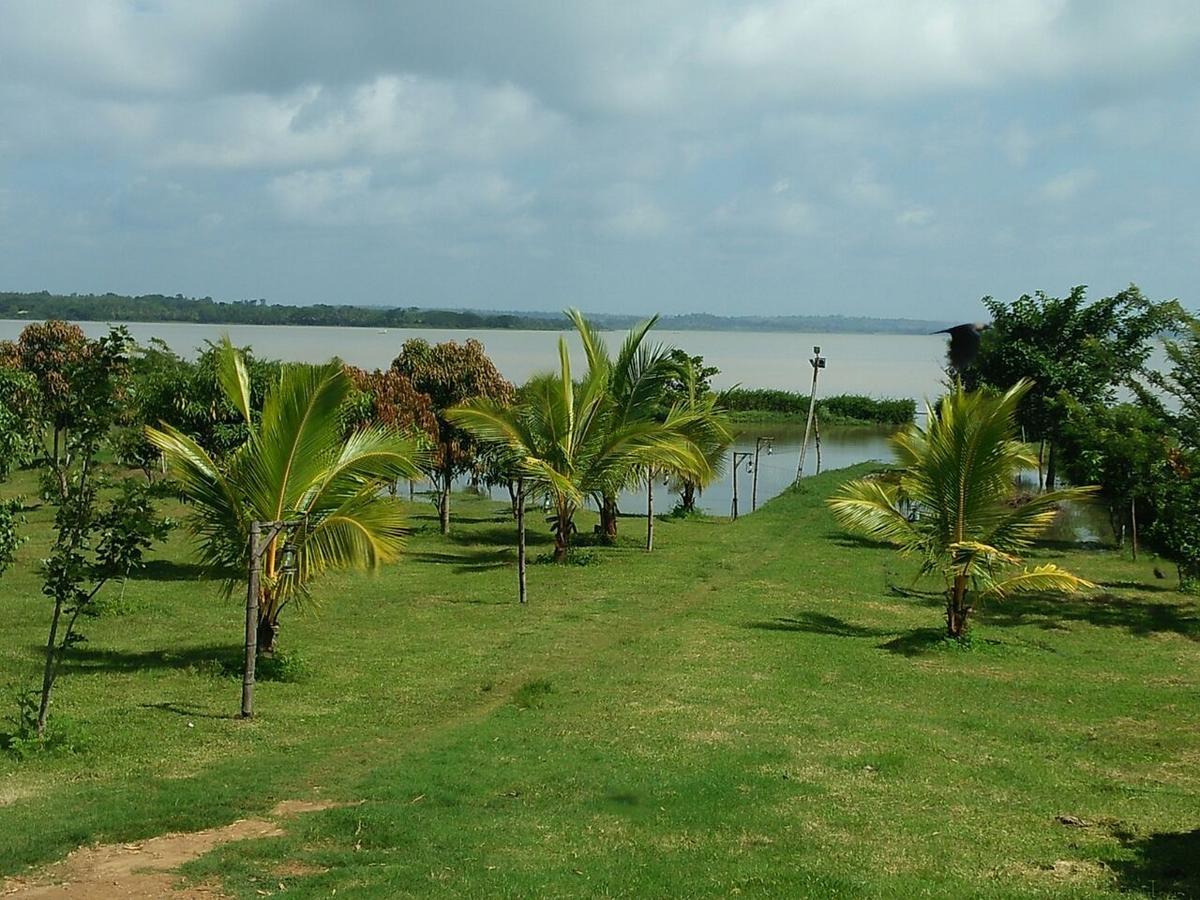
(855, 541)
(217, 657)
(468, 561)
(500, 535)
(169, 570)
(817, 623)
(1139, 617)
(916, 642)
(1166, 864)
(1143, 586)
(187, 710)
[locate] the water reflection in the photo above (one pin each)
(841, 446)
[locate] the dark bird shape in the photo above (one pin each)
(964, 343)
(1158, 573)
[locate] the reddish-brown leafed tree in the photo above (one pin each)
(450, 374)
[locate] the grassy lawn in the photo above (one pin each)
(762, 708)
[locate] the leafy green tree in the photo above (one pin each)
(1175, 528)
(1067, 347)
(296, 464)
(50, 352)
(957, 473)
(95, 541)
(1180, 383)
(567, 441)
(451, 374)
(1122, 449)
(19, 415)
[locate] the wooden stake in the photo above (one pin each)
(521, 539)
(649, 510)
(251, 622)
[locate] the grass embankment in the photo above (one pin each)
(751, 708)
(763, 405)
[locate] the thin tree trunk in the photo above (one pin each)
(444, 504)
(956, 609)
(608, 518)
(1133, 526)
(48, 672)
(649, 510)
(1051, 468)
(1041, 457)
(268, 634)
(520, 503)
(687, 496)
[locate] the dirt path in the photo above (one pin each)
(145, 870)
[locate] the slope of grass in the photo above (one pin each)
(762, 708)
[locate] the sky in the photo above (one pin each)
(767, 158)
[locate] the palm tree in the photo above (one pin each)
(952, 503)
(636, 381)
(296, 464)
(713, 434)
(567, 443)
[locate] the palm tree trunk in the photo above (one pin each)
(687, 496)
(268, 635)
(1051, 468)
(519, 502)
(608, 518)
(444, 503)
(957, 611)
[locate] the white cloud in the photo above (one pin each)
(1068, 185)
(915, 217)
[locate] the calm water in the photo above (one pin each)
(875, 364)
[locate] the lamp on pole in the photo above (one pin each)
(817, 362)
(738, 456)
(262, 535)
(759, 443)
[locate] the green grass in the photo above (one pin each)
(763, 708)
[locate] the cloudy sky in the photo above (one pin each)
(815, 156)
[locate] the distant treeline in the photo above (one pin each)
(840, 409)
(206, 311)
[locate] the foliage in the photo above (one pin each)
(1181, 383)
(10, 538)
(95, 539)
(1122, 449)
(451, 374)
(688, 390)
(51, 352)
(188, 395)
(296, 465)
(571, 443)
(957, 476)
(20, 436)
(1068, 348)
(835, 409)
(1175, 529)
(389, 398)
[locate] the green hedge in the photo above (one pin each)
(838, 408)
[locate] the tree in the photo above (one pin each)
(1067, 347)
(1175, 528)
(566, 442)
(635, 380)
(19, 415)
(94, 541)
(1182, 384)
(451, 374)
(50, 352)
(295, 465)
(957, 472)
(1121, 449)
(689, 389)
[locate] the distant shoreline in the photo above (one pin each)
(153, 309)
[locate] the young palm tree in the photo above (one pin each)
(567, 443)
(953, 503)
(713, 434)
(296, 464)
(636, 381)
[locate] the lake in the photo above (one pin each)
(879, 365)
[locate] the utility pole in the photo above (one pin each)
(759, 443)
(817, 362)
(738, 456)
